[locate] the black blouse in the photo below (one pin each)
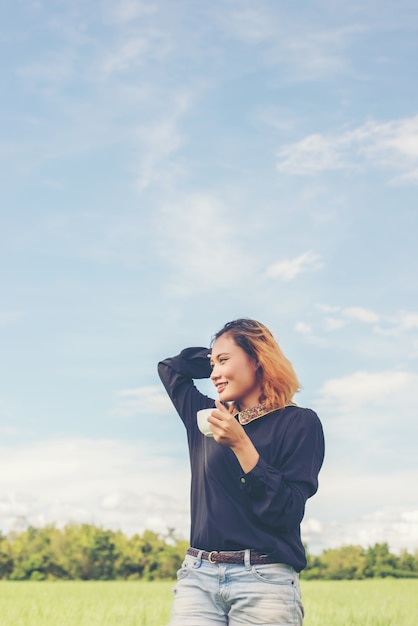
(262, 509)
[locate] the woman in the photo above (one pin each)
(249, 482)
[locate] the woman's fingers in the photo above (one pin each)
(225, 427)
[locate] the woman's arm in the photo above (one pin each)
(277, 495)
(177, 374)
(229, 432)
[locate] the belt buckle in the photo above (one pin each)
(210, 556)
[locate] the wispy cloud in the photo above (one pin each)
(303, 328)
(334, 516)
(202, 262)
(252, 24)
(305, 49)
(129, 54)
(127, 10)
(368, 417)
(311, 155)
(392, 145)
(143, 401)
(362, 331)
(361, 314)
(398, 323)
(367, 388)
(159, 143)
(289, 269)
(336, 318)
(360, 411)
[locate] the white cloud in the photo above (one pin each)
(392, 145)
(408, 321)
(128, 10)
(361, 314)
(305, 50)
(333, 323)
(336, 318)
(307, 331)
(311, 155)
(396, 526)
(151, 400)
(251, 24)
(133, 52)
(368, 417)
(288, 269)
(363, 333)
(364, 388)
(198, 235)
(159, 140)
(109, 482)
(317, 52)
(303, 328)
(326, 308)
(356, 506)
(129, 54)
(398, 324)
(132, 486)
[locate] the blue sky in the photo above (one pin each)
(167, 167)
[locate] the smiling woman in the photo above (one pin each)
(250, 480)
(234, 373)
(275, 377)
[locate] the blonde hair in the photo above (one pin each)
(277, 377)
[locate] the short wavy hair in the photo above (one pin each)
(278, 379)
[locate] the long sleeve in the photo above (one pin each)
(277, 491)
(177, 374)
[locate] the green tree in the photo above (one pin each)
(103, 555)
(6, 558)
(346, 563)
(313, 569)
(380, 562)
(33, 557)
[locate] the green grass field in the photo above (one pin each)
(334, 603)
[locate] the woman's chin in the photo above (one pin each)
(224, 397)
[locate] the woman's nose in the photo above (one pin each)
(214, 375)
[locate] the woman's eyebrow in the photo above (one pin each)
(218, 356)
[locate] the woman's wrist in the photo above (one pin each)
(246, 453)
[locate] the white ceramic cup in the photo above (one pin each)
(202, 421)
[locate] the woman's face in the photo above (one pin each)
(234, 373)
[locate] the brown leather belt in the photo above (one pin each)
(233, 558)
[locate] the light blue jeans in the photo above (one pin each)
(223, 594)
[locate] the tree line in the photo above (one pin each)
(357, 563)
(88, 552)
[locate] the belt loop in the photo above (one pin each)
(247, 559)
(198, 559)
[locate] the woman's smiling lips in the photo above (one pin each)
(220, 387)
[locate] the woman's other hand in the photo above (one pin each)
(228, 431)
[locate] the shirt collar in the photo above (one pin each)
(253, 413)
